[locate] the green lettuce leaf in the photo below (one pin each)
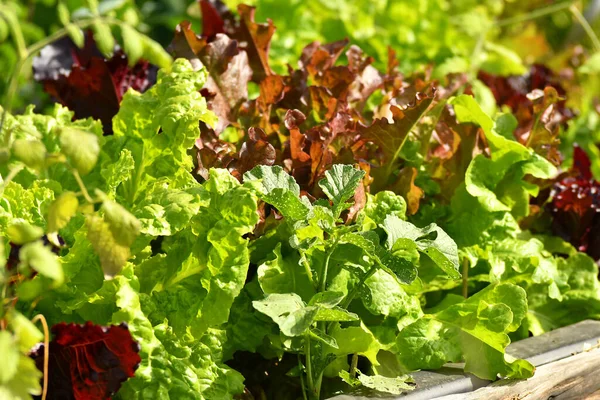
(474, 329)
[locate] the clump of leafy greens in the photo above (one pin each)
(145, 244)
(325, 284)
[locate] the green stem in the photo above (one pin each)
(586, 26)
(435, 113)
(84, 191)
(308, 270)
(465, 278)
(318, 387)
(325, 270)
(353, 365)
(355, 291)
(541, 12)
(302, 379)
(309, 376)
(15, 31)
(475, 55)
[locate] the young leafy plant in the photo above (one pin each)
(313, 285)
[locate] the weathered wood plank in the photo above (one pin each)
(572, 378)
(451, 380)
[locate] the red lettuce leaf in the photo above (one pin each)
(87, 83)
(88, 362)
(575, 206)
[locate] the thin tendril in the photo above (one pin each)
(41, 318)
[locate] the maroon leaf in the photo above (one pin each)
(255, 151)
(455, 146)
(317, 58)
(88, 362)
(229, 72)
(575, 207)
(87, 83)
(257, 38)
(581, 163)
(367, 78)
(212, 22)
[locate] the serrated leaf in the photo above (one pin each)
(61, 211)
(339, 185)
(431, 240)
(279, 189)
(81, 147)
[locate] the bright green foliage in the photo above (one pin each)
(431, 240)
(174, 106)
(339, 185)
(200, 271)
(61, 211)
(279, 189)
(19, 377)
(444, 33)
(179, 296)
(80, 147)
(475, 329)
(380, 383)
(363, 264)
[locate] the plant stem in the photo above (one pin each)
(465, 278)
(41, 318)
(353, 365)
(308, 270)
(309, 376)
(84, 191)
(355, 291)
(586, 26)
(357, 287)
(476, 54)
(541, 12)
(15, 31)
(302, 379)
(325, 270)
